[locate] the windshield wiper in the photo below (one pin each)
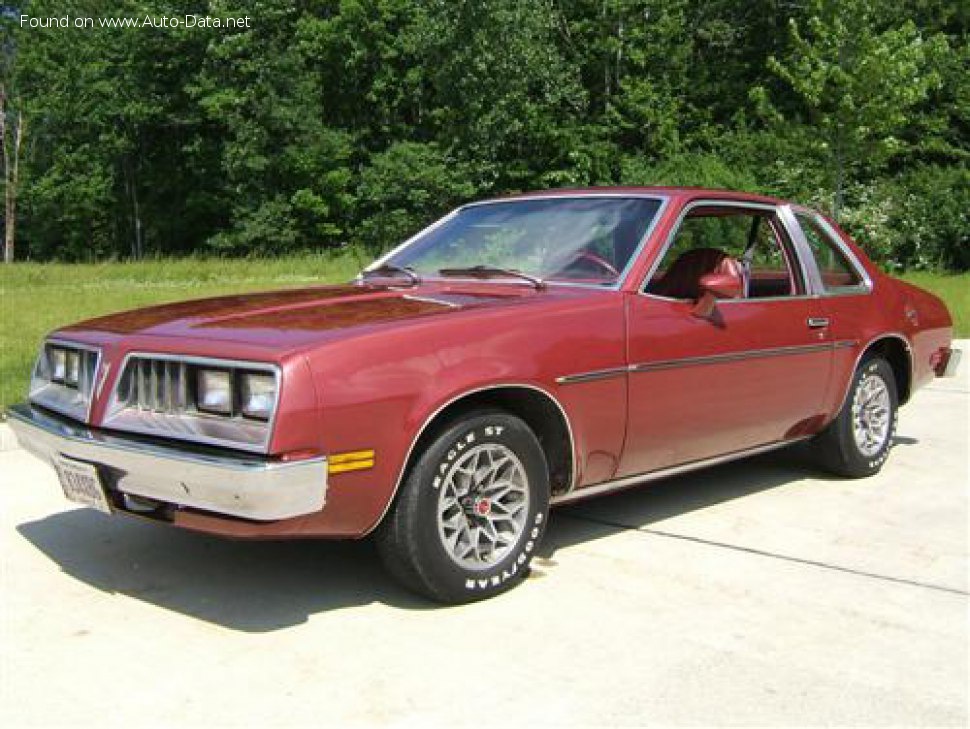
(491, 272)
(390, 269)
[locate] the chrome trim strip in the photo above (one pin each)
(802, 251)
(115, 408)
(431, 300)
(95, 388)
(525, 197)
(739, 356)
(236, 485)
(735, 302)
(638, 251)
(592, 376)
(456, 398)
(595, 375)
(621, 279)
(644, 478)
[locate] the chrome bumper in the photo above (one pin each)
(952, 363)
(237, 485)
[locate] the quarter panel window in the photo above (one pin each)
(838, 274)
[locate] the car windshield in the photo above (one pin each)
(582, 240)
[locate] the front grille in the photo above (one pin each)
(158, 385)
(64, 378)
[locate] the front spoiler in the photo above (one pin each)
(239, 485)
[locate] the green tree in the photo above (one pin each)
(11, 140)
(374, 59)
(285, 177)
(405, 187)
(505, 96)
(853, 84)
(106, 161)
(327, 121)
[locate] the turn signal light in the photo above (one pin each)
(350, 461)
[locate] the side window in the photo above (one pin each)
(709, 235)
(837, 273)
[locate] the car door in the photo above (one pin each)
(753, 372)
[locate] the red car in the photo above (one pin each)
(517, 354)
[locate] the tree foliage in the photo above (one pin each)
(329, 122)
(855, 85)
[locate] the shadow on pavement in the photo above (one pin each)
(266, 586)
(640, 506)
(251, 586)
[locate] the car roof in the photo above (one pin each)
(678, 192)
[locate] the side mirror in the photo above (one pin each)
(716, 286)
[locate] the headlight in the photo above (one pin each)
(58, 360)
(214, 391)
(63, 378)
(72, 373)
(258, 395)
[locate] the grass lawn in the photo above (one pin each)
(36, 298)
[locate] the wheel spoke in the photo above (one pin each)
(470, 548)
(489, 531)
(456, 520)
(498, 490)
(455, 537)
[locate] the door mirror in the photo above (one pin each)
(722, 285)
(716, 286)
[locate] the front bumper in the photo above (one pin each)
(240, 485)
(950, 363)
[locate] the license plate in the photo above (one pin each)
(81, 483)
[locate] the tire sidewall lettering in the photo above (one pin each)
(517, 562)
(457, 448)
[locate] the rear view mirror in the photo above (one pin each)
(716, 286)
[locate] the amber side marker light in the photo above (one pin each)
(350, 461)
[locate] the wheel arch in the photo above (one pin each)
(898, 352)
(537, 407)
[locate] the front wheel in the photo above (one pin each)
(858, 441)
(471, 511)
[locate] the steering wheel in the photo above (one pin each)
(596, 260)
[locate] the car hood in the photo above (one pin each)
(303, 316)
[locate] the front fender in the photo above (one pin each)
(381, 390)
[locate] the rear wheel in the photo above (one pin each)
(858, 441)
(471, 511)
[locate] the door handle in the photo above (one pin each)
(817, 322)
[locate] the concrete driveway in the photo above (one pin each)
(763, 592)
